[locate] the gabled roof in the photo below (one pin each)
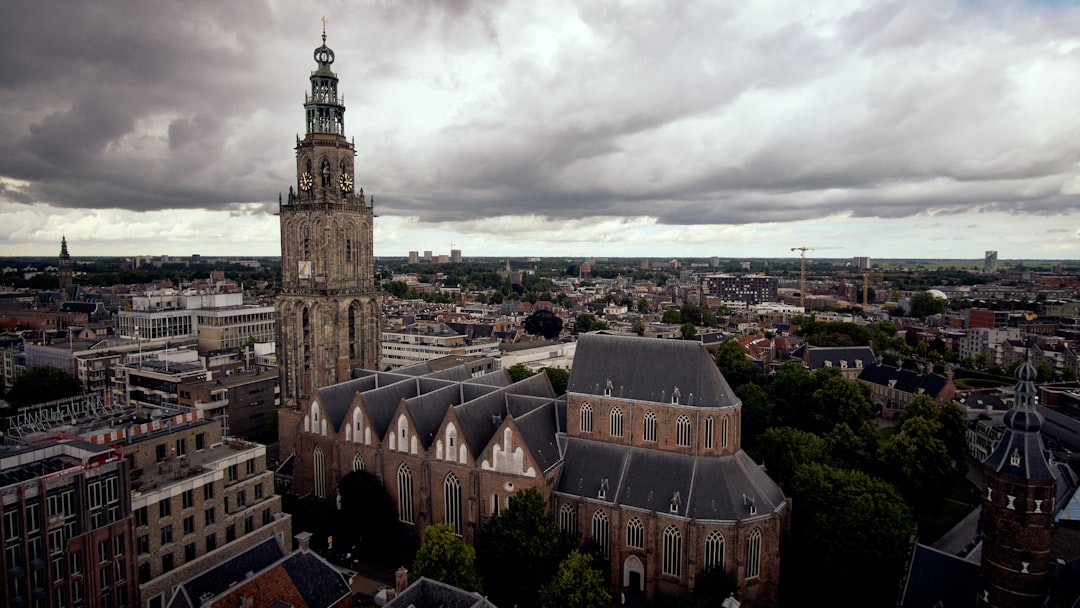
(538, 430)
(714, 488)
(219, 578)
(907, 381)
(320, 583)
(427, 593)
(649, 369)
(818, 357)
(936, 578)
(336, 399)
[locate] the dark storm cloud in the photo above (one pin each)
(689, 113)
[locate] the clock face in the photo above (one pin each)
(346, 183)
(306, 182)
(304, 269)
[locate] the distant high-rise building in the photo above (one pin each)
(64, 264)
(750, 289)
(455, 256)
(990, 262)
(644, 264)
(427, 256)
(861, 262)
(714, 261)
(414, 257)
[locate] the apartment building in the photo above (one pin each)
(422, 342)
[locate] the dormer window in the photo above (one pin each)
(748, 502)
(607, 389)
(675, 396)
(1014, 460)
(602, 493)
(676, 502)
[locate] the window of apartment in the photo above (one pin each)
(103, 550)
(121, 570)
(189, 552)
(118, 545)
(164, 508)
(58, 568)
(258, 492)
(142, 544)
(159, 452)
(167, 562)
(141, 518)
(200, 441)
(188, 499)
(249, 524)
(250, 466)
(209, 516)
(230, 533)
(208, 491)
(241, 498)
(232, 472)
(189, 525)
(166, 534)
(76, 562)
(226, 504)
(266, 516)
(211, 542)
(144, 572)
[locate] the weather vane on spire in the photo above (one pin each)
(324, 29)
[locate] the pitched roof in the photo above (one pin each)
(818, 357)
(229, 572)
(936, 578)
(907, 381)
(649, 369)
(717, 488)
(427, 593)
(320, 583)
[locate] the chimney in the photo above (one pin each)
(247, 601)
(303, 541)
(401, 579)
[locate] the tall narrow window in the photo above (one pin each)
(724, 432)
(648, 426)
(600, 532)
(753, 553)
(404, 493)
(494, 505)
(586, 418)
(616, 422)
(714, 551)
(672, 551)
(319, 466)
(452, 502)
(354, 310)
(708, 432)
(568, 520)
(635, 533)
(358, 463)
(682, 427)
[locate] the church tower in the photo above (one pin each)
(64, 265)
(1018, 507)
(328, 309)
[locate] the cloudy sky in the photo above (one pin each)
(904, 128)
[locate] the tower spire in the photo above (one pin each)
(324, 29)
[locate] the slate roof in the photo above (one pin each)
(907, 380)
(319, 582)
(936, 578)
(537, 428)
(427, 593)
(715, 488)
(218, 579)
(336, 399)
(649, 369)
(818, 357)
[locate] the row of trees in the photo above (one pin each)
(858, 490)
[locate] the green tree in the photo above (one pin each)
(585, 322)
(544, 323)
(917, 461)
(708, 318)
(690, 313)
(733, 364)
(367, 519)
(638, 327)
(688, 331)
(519, 372)
(559, 379)
(925, 304)
(643, 305)
(854, 450)
(790, 387)
(577, 583)
(849, 526)
(42, 383)
(783, 449)
(446, 557)
(671, 317)
(839, 401)
(520, 550)
(757, 413)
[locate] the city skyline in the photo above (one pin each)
(880, 129)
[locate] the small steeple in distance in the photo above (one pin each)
(1018, 506)
(64, 264)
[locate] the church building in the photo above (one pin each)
(327, 314)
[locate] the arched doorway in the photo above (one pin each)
(633, 574)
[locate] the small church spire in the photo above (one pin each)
(324, 29)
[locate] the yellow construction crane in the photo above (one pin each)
(802, 273)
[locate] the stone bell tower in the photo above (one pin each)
(328, 309)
